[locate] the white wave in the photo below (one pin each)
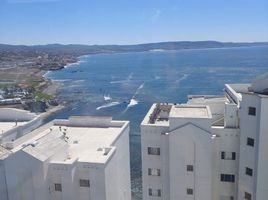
(107, 98)
(132, 102)
(141, 86)
(185, 76)
(157, 77)
(121, 81)
(107, 105)
(138, 89)
(46, 74)
(73, 64)
(130, 76)
(157, 50)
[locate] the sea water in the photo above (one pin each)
(125, 85)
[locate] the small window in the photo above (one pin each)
(228, 178)
(153, 172)
(189, 191)
(228, 155)
(249, 171)
(153, 150)
(247, 196)
(190, 168)
(252, 111)
(84, 183)
(224, 197)
(154, 192)
(58, 187)
(250, 142)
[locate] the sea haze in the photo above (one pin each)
(125, 85)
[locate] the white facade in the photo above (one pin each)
(82, 158)
(211, 148)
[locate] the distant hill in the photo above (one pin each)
(77, 49)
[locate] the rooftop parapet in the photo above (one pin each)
(190, 111)
(160, 113)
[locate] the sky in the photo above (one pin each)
(32, 22)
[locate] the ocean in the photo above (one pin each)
(124, 85)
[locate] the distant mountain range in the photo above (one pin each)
(76, 49)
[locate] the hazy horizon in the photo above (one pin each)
(55, 43)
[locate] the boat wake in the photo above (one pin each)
(107, 97)
(130, 76)
(133, 101)
(107, 105)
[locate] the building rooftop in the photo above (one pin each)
(6, 126)
(190, 111)
(202, 99)
(86, 139)
(158, 114)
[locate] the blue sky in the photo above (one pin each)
(131, 21)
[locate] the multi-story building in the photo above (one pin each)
(82, 158)
(211, 148)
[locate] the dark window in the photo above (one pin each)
(250, 142)
(153, 150)
(228, 178)
(153, 172)
(228, 155)
(58, 187)
(252, 111)
(247, 196)
(190, 191)
(84, 183)
(190, 168)
(249, 171)
(154, 192)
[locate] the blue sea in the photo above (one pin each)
(125, 85)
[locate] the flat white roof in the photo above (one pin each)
(93, 143)
(6, 126)
(188, 111)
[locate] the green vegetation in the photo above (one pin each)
(41, 96)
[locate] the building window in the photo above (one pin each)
(58, 187)
(250, 142)
(154, 192)
(228, 155)
(228, 178)
(84, 183)
(247, 196)
(153, 150)
(223, 197)
(153, 172)
(190, 168)
(249, 171)
(252, 111)
(189, 191)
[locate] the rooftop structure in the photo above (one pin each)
(211, 148)
(92, 150)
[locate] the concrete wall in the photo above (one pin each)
(190, 145)
(151, 136)
(262, 168)
(249, 127)
(228, 141)
(12, 114)
(25, 177)
(121, 170)
(3, 186)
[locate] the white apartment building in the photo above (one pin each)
(82, 158)
(211, 148)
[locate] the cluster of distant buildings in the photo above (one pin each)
(210, 148)
(12, 95)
